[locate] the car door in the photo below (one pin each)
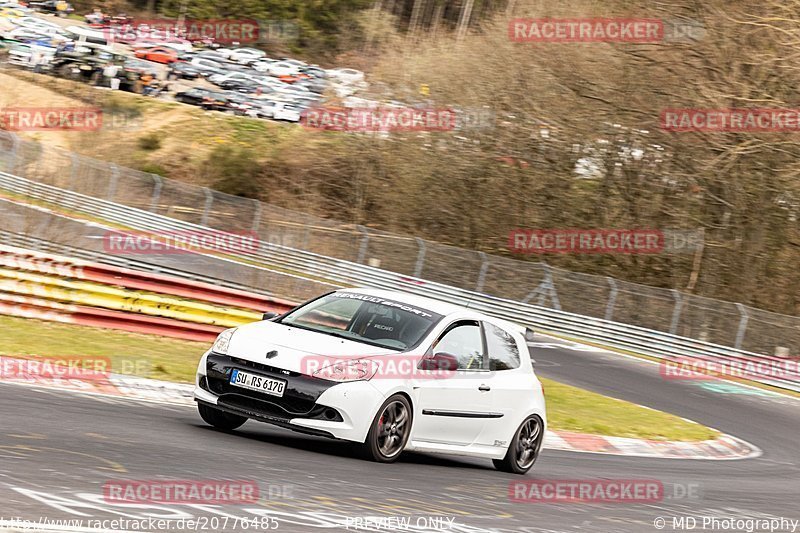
(512, 385)
(452, 408)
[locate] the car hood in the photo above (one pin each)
(295, 347)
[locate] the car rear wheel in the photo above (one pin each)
(524, 448)
(390, 430)
(220, 419)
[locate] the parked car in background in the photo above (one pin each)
(22, 34)
(85, 35)
(240, 85)
(159, 54)
(182, 70)
(139, 66)
(212, 55)
(314, 72)
(315, 85)
(205, 65)
(306, 101)
(39, 25)
(286, 111)
(241, 104)
(262, 108)
(179, 45)
(192, 96)
(347, 76)
(60, 8)
(282, 68)
(13, 11)
(262, 65)
(205, 98)
(217, 79)
(242, 55)
(294, 62)
(20, 54)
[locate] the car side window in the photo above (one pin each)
(502, 348)
(465, 342)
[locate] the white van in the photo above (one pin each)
(85, 35)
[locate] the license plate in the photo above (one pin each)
(246, 380)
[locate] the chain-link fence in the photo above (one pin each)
(696, 317)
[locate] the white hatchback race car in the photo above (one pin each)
(388, 370)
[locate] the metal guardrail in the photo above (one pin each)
(26, 241)
(337, 272)
(39, 284)
(669, 310)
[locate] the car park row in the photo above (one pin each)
(112, 52)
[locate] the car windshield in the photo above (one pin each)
(363, 318)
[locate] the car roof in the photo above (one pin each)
(442, 308)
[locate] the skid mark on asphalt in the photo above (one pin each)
(33, 436)
(24, 451)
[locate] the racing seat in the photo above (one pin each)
(382, 327)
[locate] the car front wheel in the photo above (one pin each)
(220, 419)
(524, 448)
(390, 430)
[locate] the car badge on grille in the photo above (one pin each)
(272, 353)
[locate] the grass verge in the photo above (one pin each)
(573, 409)
(568, 408)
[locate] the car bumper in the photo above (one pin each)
(308, 405)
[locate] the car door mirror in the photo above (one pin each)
(269, 315)
(530, 336)
(439, 361)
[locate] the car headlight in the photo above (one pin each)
(353, 370)
(223, 341)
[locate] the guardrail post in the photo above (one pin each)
(676, 312)
(157, 183)
(112, 184)
(362, 249)
(742, 326)
(73, 175)
(482, 273)
(550, 286)
(207, 206)
(612, 298)
(545, 288)
(420, 257)
(12, 161)
(306, 234)
(256, 216)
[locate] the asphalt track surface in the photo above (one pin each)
(58, 449)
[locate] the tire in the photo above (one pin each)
(220, 419)
(386, 438)
(524, 448)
